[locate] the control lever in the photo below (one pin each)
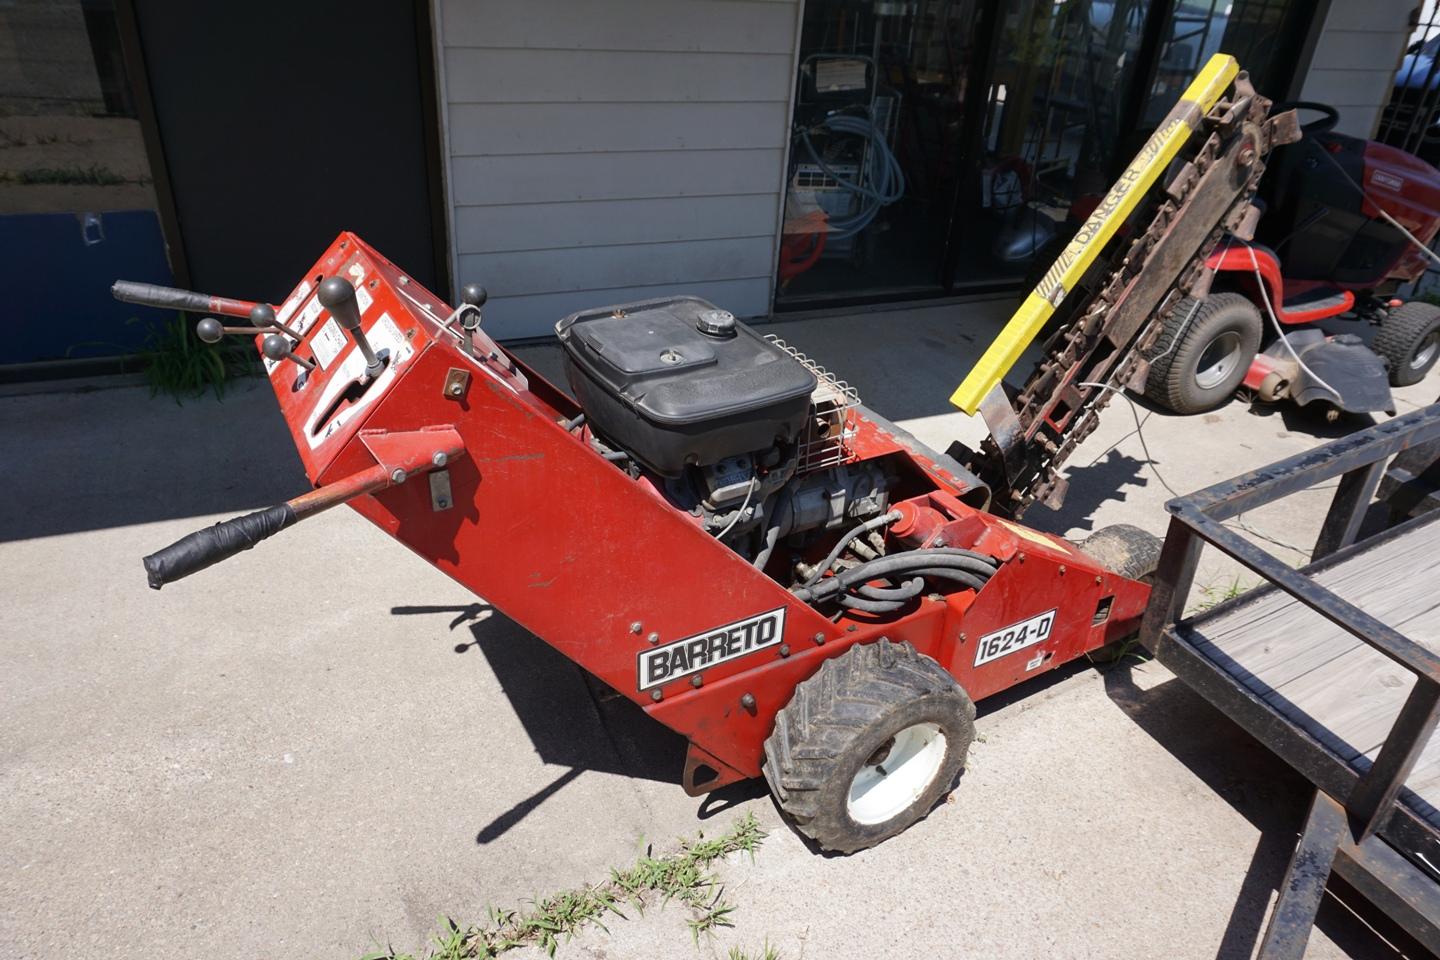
(263, 315)
(172, 298)
(472, 295)
(338, 296)
(277, 348)
(211, 330)
(400, 456)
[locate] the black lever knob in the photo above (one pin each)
(262, 315)
(338, 296)
(474, 295)
(210, 330)
(277, 348)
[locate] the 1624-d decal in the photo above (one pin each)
(660, 665)
(1017, 636)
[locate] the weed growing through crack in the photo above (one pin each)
(1214, 594)
(767, 952)
(683, 875)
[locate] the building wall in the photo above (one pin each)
(1354, 63)
(604, 152)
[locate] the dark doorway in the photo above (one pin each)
(279, 124)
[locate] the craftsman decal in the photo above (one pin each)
(674, 660)
(1015, 637)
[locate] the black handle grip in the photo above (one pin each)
(154, 295)
(203, 548)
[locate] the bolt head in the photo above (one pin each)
(656, 695)
(696, 680)
(748, 701)
(440, 459)
(636, 627)
(1062, 569)
(654, 637)
(784, 649)
(397, 476)
(442, 503)
(457, 388)
(819, 638)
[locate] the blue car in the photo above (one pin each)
(1412, 117)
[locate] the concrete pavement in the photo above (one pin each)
(324, 744)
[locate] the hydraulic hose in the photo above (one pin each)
(910, 588)
(965, 566)
(873, 523)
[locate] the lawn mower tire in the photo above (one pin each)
(1203, 352)
(1409, 342)
(868, 744)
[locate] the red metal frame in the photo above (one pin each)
(600, 567)
(1234, 256)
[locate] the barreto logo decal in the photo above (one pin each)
(1014, 638)
(660, 665)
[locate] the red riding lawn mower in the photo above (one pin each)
(1328, 244)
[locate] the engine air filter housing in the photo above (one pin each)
(676, 381)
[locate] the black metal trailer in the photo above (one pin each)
(1333, 666)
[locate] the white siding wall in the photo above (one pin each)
(610, 151)
(1355, 59)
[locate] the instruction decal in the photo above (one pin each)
(660, 665)
(1016, 637)
(328, 342)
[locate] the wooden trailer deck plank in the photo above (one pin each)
(1335, 686)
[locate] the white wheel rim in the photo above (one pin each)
(1217, 360)
(892, 779)
(1426, 351)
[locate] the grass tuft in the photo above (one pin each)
(93, 175)
(178, 363)
(683, 875)
(1215, 594)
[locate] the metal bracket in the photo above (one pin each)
(457, 381)
(1004, 428)
(413, 451)
(440, 498)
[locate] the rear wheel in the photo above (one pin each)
(867, 745)
(1131, 552)
(1124, 549)
(1409, 342)
(1203, 352)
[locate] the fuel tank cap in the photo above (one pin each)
(716, 323)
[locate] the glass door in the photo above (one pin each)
(876, 148)
(1053, 131)
(950, 146)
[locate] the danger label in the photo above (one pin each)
(660, 665)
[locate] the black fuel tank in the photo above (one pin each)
(677, 380)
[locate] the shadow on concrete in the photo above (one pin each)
(1103, 481)
(1311, 421)
(1270, 795)
(111, 458)
(573, 720)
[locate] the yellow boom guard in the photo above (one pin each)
(1162, 147)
